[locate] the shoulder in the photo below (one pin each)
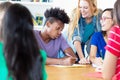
(115, 32)
(37, 34)
(43, 53)
(36, 31)
(97, 34)
(3, 66)
(115, 28)
(1, 44)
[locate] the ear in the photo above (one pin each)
(48, 23)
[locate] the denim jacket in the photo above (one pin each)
(80, 30)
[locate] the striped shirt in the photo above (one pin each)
(113, 46)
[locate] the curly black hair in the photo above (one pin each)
(58, 14)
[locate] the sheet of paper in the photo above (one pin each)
(74, 65)
(94, 65)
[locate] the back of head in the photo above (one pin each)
(54, 14)
(116, 11)
(20, 46)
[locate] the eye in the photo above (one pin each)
(85, 7)
(57, 28)
(80, 7)
(105, 18)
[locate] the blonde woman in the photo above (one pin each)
(84, 22)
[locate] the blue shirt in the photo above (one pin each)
(98, 41)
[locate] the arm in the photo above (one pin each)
(109, 65)
(83, 60)
(77, 42)
(51, 61)
(69, 52)
(97, 61)
(62, 61)
(68, 60)
(78, 48)
(93, 51)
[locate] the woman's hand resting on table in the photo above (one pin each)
(84, 61)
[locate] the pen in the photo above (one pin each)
(67, 54)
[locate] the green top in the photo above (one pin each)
(4, 69)
(43, 54)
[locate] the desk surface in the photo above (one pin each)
(65, 73)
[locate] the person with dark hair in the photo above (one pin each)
(3, 69)
(99, 39)
(51, 40)
(24, 59)
(111, 64)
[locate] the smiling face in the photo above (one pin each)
(106, 21)
(54, 29)
(85, 9)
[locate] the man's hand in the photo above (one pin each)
(68, 60)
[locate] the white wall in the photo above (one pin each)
(70, 4)
(105, 4)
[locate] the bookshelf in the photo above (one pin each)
(37, 9)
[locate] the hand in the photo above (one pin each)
(68, 60)
(98, 61)
(84, 61)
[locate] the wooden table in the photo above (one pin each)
(68, 73)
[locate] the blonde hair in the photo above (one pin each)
(73, 22)
(75, 15)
